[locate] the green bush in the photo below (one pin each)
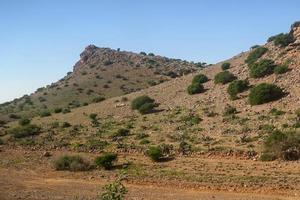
(225, 66)
(224, 77)
(106, 160)
(71, 163)
(262, 68)
(66, 125)
(66, 110)
(236, 87)
(199, 78)
(264, 93)
(281, 69)
(282, 39)
(147, 108)
(24, 131)
(155, 153)
(113, 191)
(98, 99)
(57, 110)
(255, 54)
(143, 104)
(195, 88)
(45, 113)
(93, 116)
(230, 110)
(284, 146)
(24, 121)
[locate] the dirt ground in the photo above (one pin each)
(27, 174)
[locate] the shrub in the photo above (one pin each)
(122, 132)
(281, 69)
(276, 112)
(45, 113)
(113, 191)
(151, 54)
(106, 160)
(98, 99)
(14, 116)
(281, 39)
(262, 68)
(72, 163)
(224, 77)
(195, 88)
(57, 110)
(93, 116)
(155, 153)
(147, 108)
(229, 110)
(24, 121)
(281, 145)
(255, 54)
(143, 53)
(264, 93)
(24, 131)
(66, 125)
(225, 66)
(143, 104)
(199, 78)
(236, 87)
(66, 110)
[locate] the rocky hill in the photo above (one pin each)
(100, 73)
(209, 121)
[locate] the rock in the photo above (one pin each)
(46, 154)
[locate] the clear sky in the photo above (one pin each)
(41, 40)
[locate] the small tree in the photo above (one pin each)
(225, 66)
(264, 93)
(224, 77)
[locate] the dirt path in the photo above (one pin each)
(28, 175)
(30, 186)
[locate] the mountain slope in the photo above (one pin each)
(199, 120)
(100, 73)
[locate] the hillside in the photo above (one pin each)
(208, 139)
(100, 73)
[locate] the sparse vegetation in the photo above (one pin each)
(24, 130)
(71, 163)
(237, 87)
(24, 121)
(106, 160)
(279, 145)
(264, 93)
(224, 77)
(45, 113)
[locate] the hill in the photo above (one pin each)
(209, 130)
(100, 73)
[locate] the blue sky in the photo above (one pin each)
(41, 40)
